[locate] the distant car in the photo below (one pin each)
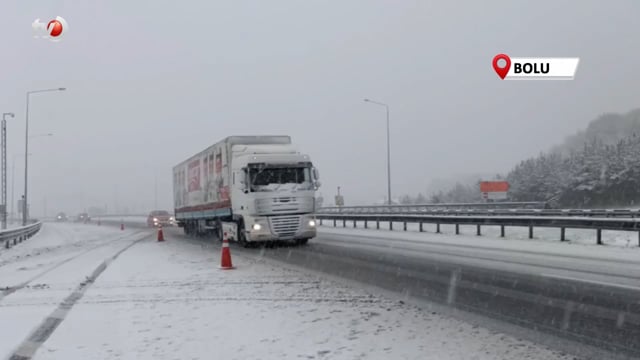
(61, 217)
(160, 218)
(83, 218)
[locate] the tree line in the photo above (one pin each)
(596, 167)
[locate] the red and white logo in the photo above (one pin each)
(53, 30)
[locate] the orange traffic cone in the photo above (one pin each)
(160, 234)
(225, 261)
(121, 226)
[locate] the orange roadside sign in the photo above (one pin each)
(494, 186)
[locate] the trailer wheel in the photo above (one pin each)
(218, 230)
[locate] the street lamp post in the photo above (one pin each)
(13, 174)
(4, 168)
(388, 150)
(13, 180)
(25, 215)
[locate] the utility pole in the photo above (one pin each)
(4, 170)
(155, 200)
(115, 199)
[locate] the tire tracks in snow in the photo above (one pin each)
(11, 289)
(32, 343)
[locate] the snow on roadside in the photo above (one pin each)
(170, 301)
(579, 241)
(57, 235)
(38, 274)
(54, 242)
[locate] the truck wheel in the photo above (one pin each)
(242, 237)
(302, 241)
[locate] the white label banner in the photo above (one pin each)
(542, 68)
(496, 195)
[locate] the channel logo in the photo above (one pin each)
(53, 30)
(509, 68)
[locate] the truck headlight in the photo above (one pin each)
(312, 223)
(256, 227)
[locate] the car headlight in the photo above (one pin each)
(256, 227)
(312, 223)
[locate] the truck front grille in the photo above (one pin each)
(285, 226)
(282, 205)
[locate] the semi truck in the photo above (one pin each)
(261, 184)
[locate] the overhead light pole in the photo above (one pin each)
(25, 215)
(13, 173)
(388, 150)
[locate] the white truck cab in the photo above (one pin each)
(273, 192)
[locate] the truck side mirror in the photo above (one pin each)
(316, 177)
(244, 180)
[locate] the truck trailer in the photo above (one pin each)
(262, 184)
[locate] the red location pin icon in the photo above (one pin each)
(502, 71)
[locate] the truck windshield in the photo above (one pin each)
(280, 178)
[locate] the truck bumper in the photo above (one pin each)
(253, 236)
(282, 228)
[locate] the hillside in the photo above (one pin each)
(608, 128)
(597, 167)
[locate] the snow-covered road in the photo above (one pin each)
(169, 301)
(611, 265)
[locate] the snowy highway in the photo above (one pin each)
(169, 301)
(613, 266)
(575, 290)
(586, 293)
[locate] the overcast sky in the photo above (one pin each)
(152, 82)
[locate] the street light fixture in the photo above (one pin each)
(388, 150)
(40, 135)
(25, 215)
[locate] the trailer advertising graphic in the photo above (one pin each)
(194, 175)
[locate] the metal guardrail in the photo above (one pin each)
(12, 237)
(426, 207)
(117, 215)
(563, 223)
(421, 209)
